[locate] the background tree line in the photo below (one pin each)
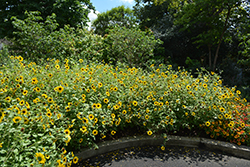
(196, 33)
(189, 33)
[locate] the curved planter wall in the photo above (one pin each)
(209, 144)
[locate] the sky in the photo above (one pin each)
(104, 5)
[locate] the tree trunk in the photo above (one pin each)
(221, 37)
(210, 57)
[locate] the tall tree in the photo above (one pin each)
(159, 17)
(244, 35)
(120, 16)
(72, 12)
(215, 18)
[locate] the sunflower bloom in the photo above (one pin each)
(113, 132)
(124, 112)
(95, 132)
(8, 99)
(207, 123)
(75, 160)
(59, 89)
(50, 99)
(242, 125)
(149, 132)
(106, 100)
(24, 111)
(135, 103)
(67, 131)
(17, 119)
(57, 67)
(91, 116)
(25, 92)
(98, 105)
(40, 158)
(222, 109)
(34, 81)
(50, 75)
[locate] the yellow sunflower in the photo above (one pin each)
(59, 89)
(24, 111)
(75, 160)
(135, 103)
(67, 131)
(207, 123)
(8, 99)
(25, 92)
(40, 158)
(49, 114)
(17, 119)
(113, 132)
(95, 132)
(124, 112)
(57, 66)
(149, 132)
(106, 100)
(98, 105)
(91, 116)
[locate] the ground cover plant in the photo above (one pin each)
(50, 110)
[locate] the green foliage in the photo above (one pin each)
(214, 19)
(38, 40)
(245, 44)
(149, 14)
(50, 110)
(192, 63)
(120, 16)
(67, 12)
(130, 46)
(4, 52)
(160, 19)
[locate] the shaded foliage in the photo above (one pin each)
(70, 12)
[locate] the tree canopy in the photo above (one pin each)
(120, 16)
(160, 19)
(72, 12)
(214, 21)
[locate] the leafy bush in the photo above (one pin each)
(4, 52)
(36, 40)
(130, 46)
(48, 111)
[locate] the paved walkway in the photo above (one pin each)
(154, 156)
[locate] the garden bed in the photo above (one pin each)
(52, 110)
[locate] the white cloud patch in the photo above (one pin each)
(92, 16)
(127, 1)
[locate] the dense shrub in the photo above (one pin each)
(48, 111)
(4, 52)
(36, 40)
(130, 46)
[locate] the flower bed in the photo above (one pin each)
(50, 110)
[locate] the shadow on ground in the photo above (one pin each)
(148, 156)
